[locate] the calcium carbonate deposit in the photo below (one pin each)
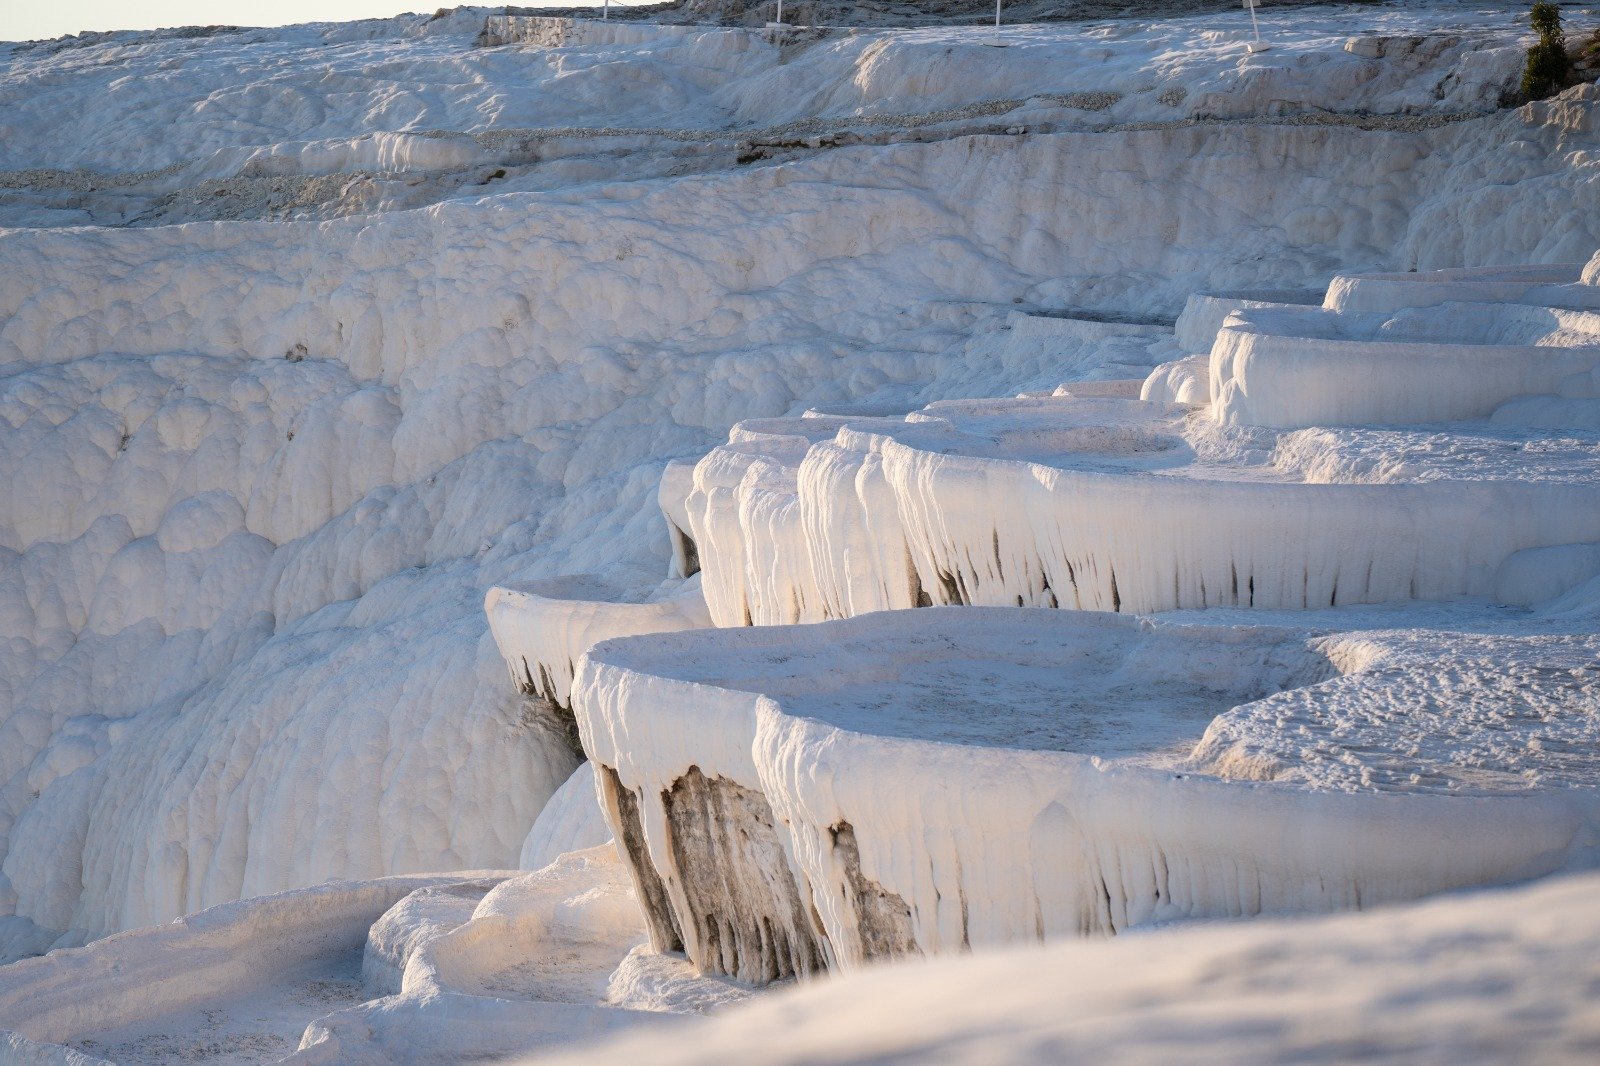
(519, 527)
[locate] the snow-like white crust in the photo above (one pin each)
(467, 965)
(232, 950)
(1469, 979)
(451, 1026)
(545, 958)
(1537, 577)
(1426, 713)
(1288, 369)
(1186, 381)
(423, 916)
(743, 515)
(1084, 350)
(18, 1050)
(677, 481)
(554, 934)
(1010, 774)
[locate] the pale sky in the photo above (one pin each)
(24, 20)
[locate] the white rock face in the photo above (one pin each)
(571, 821)
(448, 1026)
(936, 780)
(224, 122)
(224, 794)
(541, 31)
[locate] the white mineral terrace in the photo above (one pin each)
(543, 626)
(1575, 286)
(543, 630)
(1293, 367)
(762, 783)
(922, 782)
(1126, 505)
(344, 367)
(1186, 378)
(1205, 312)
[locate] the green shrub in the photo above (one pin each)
(1549, 67)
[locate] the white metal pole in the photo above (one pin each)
(605, 12)
(780, 12)
(997, 18)
(1257, 45)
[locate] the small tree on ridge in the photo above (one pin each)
(1549, 67)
